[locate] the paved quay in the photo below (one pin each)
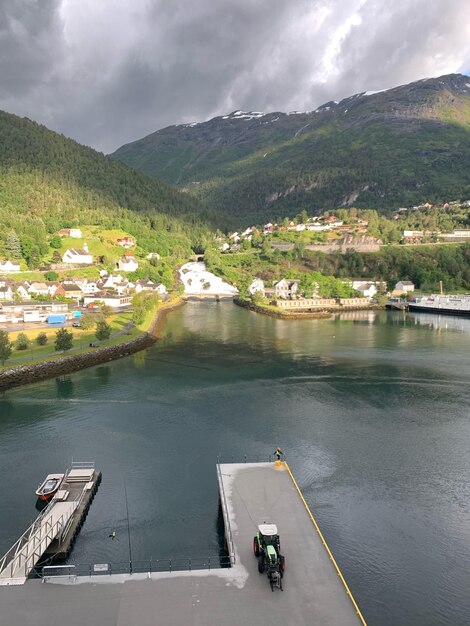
(313, 590)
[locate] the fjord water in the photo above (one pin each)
(371, 409)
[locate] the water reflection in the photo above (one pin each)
(372, 410)
(64, 386)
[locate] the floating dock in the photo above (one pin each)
(314, 590)
(52, 534)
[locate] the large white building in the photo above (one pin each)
(78, 256)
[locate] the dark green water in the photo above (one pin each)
(372, 410)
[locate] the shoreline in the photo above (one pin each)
(28, 374)
(298, 315)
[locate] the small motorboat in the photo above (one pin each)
(49, 486)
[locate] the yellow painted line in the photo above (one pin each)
(332, 558)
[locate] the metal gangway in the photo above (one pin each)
(24, 555)
(53, 523)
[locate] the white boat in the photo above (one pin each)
(49, 486)
(447, 305)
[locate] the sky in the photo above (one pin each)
(107, 72)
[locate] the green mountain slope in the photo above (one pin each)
(398, 147)
(48, 182)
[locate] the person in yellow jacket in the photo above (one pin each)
(278, 453)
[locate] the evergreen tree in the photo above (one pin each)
(13, 245)
(34, 260)
(103, 330)
(63, 340)
(5, 347)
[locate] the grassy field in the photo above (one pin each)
(81, 338)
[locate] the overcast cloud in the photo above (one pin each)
(107, 72)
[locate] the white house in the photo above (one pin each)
(89, 286)
(367, 291)
(127, 264)
(6, 292)
(286, 288)
(149, 285)
(362, 282)
(256, 285)
(9, 267)
(78, 256)
(22, 291)
(405, 286)
(153, 255)
(109, 281)
(39, 289)
(112, 300)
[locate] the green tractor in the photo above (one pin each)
(267, 548)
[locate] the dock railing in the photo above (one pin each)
(148, 566)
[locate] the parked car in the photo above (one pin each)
(76, 324)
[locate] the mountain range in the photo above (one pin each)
(379, 150)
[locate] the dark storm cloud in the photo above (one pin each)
(110, 71)
(30, 41)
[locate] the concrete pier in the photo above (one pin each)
(251, 493)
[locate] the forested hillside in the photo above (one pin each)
(48, 182)
(381, 150)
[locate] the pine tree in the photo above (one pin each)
(13, 245)
(103, 330)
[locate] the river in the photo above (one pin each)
(371, 408)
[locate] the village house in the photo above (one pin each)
(368, 290)
(112, 300)
(286, 289)
(78, 256)
(109, 281)
(74, 233)
(403, 286)
(126, 242)
(72, 291)
(361, 282)
(6, 292)
(38, 289)
(149, 285)
(56, 290)
(9, 267)
(256, 285)
(127, 263)
(52, 288)
(21, 289)
(90, 286)
(153, 255)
